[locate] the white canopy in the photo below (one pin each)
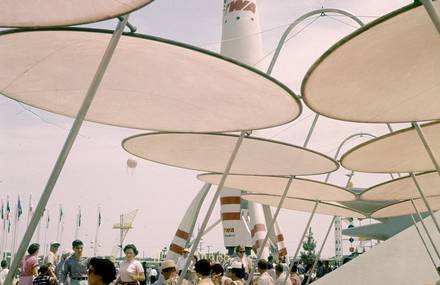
(211, 152)
(400, 151)
(404, 188)
(50, 13)
(387, 71)
(406, 208)
(303, 205)
(151, 83)
(275, 185)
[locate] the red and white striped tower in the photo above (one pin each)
(184, 231)
(241, 40)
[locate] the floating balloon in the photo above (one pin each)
(131, 163)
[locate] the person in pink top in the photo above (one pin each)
(130, 270)
(29, 265)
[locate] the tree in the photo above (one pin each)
(308, 256)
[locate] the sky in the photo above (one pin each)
(96, 173)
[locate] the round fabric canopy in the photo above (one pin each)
(151, 83)
(211, 152)
(50, 13)
(385, 72)
(406, 208)
(398, 152)
(404, 188)
(303, 205)
(275, 185)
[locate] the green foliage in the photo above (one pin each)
(308, 256)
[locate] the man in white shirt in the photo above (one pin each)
(281, 275)
(51, 260)
(243, 259)
(4, 271)
(182, 260)
(264, 278)
(153, 275)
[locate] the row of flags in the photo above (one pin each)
(5, 214)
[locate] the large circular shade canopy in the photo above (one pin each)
(50, 13)
(275, 185)
(211, 152)
(404, 188)
(385, 72)
(406, 208)
(401, 151)
(303, 205)
(151, 83)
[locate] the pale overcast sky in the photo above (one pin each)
(96, 173)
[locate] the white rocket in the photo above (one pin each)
(241, 40)
(186, 226)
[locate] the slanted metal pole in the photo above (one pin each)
(320, 250)
(211, 207)
(270, 229)
(130, 26)
(312, 128)
(431, 213)
(423, 241)
(301, 240)
(66, 148)
(427, 147)
(426, 229)
(432, 12)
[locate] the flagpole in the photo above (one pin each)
(39, 230)
(45, 232)
(59, 224)
(8, 212)
(16, 219)
(3, 232)
(30, 210)
(95, 249)
(62, 224)
(78, 222)
(3, 239)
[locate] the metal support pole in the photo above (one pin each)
(426, 145)
(327, 177)
(205, 190)
(130, 26)
(301, 240)
(432, 12)
(298, 21)
(270, 229)
(320, 250)
(426, 230)
(423, 241)
(312, 128)
(211, 207)
(66, 148)
(425, 201)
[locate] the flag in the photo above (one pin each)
(19, 209)
(8, 209)
(99, 217)
(79, 217)
(61, 214)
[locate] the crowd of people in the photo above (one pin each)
(75, 269)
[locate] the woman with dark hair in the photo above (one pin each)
(217, 275)
(29, 265)
(203, 270)
(294, 277)
(130, 270)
